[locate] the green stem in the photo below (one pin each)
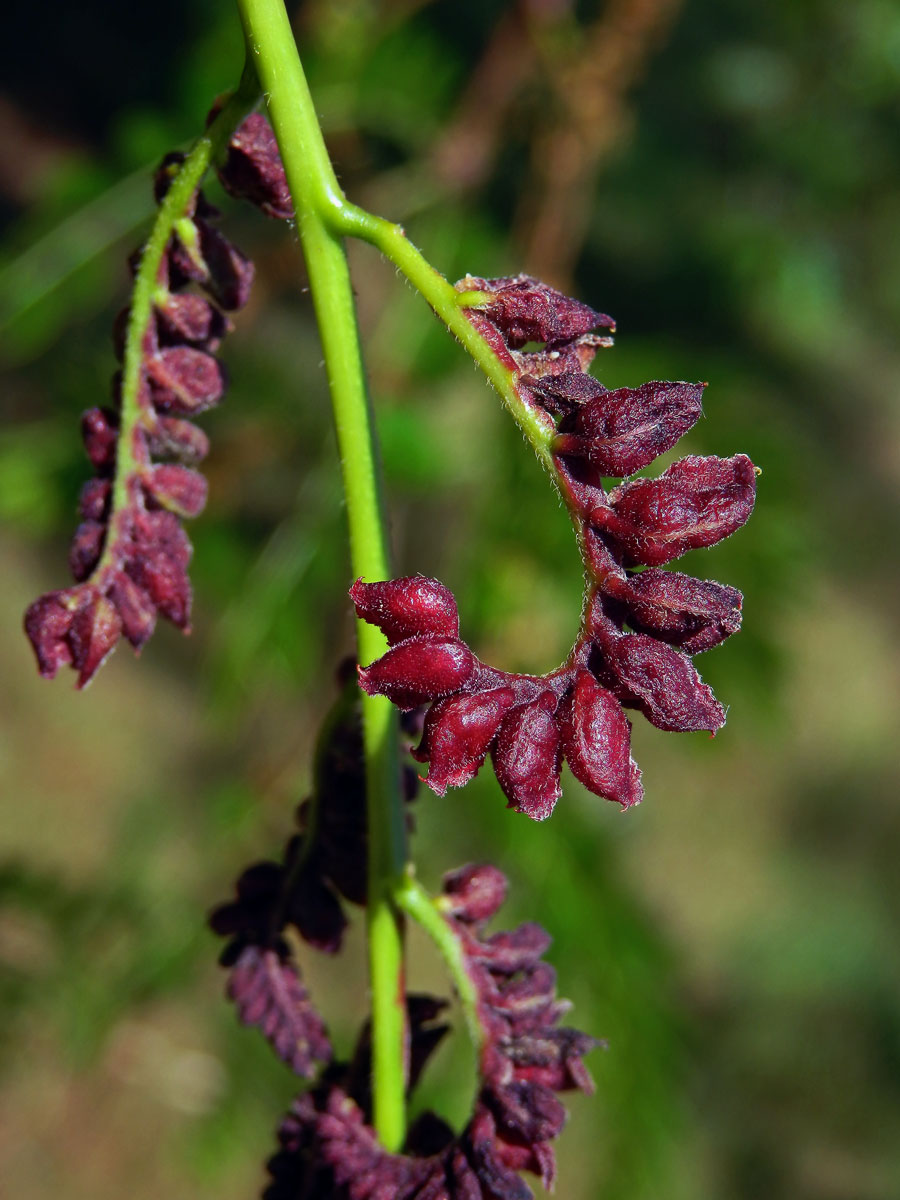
(172, 210)
(418, 904)
(450, 306)
(317, 197)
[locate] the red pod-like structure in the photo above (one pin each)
(418, 670)
(524, 310)
(474, 892)
(253, 170)
(458, 734)
(621, 431)
(696, 503)
(596, 740)
(692, 614)
(176, 488)
(404, 608)
(659, 680)
(527, 757)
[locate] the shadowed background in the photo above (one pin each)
(723, 178)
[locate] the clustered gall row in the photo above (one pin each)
(129, 556)
(329, 1149)
(640, 623)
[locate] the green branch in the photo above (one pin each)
(175, 204)
(418, 904)
(450, 305)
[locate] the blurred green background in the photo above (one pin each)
(723, 177)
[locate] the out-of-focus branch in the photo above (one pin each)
(589, 114)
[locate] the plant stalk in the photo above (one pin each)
(449, 305)
(418, 904)
(317, 197)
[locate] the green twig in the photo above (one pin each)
(450, 305)
(418, 904)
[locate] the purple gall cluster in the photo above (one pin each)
(130, 555)
(327, 1147)
(269, 995)
(640, 624)
(301, 896)
(274, 903)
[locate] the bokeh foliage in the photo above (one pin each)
(723, 177)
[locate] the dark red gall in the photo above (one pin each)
(176, 488)
(229, 274)
(253, 169)
(418, 670)
(186, 319)
(99, 430)
(475, 892)
(137, 610)
(527, 757)
(173, 437)
(696, 502)
(526, 310)
(692, 614)
(621, 431)
(404, 608)
(184, 380)
(458, 734)
(660, 681)
(596, 740)
(566, 392)
(85, 549)
(94, 499)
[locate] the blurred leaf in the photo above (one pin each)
(47, 284)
